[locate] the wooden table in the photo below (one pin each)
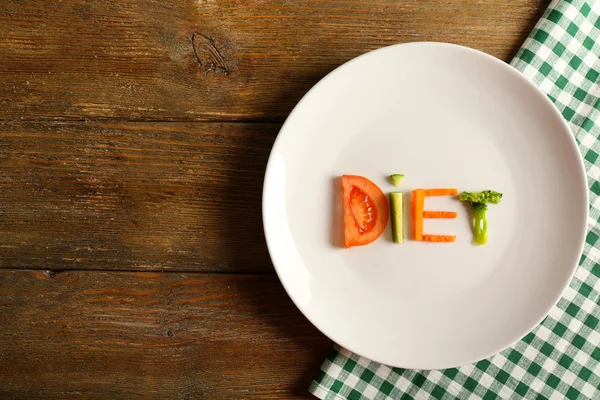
(133, 139)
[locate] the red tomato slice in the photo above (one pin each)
(366, 210)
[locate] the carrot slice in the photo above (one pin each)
(441, 192)
(418, 202)
(439, 214)
(439, 238)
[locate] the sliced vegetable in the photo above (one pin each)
(396, 179)
(441, 192)
(478, 202)
(418, 201)
(366, 210)
(439, 214)
(396, 209)
(439, 238)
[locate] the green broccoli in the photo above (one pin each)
(478, 203)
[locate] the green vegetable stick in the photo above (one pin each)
(396, 205)
(396, 179)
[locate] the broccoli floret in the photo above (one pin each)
(487, 196)
(478, 202)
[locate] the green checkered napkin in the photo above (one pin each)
(561, 357)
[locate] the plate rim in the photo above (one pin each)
(565, 128)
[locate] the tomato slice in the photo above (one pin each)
(366, 210)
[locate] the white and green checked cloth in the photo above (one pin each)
(561, 357)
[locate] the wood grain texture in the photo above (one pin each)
(216, 60)
(156, 336)
(153, 196)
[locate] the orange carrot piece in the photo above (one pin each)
(439, 214)
(439, 238)
(418, 202)
(441, 192)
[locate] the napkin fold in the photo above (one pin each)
(560, 358)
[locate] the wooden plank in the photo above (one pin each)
(216, 60)
(153, 196)
(155, 336)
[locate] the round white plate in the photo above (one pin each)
(445, 116)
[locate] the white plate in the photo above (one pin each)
(445, 116)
